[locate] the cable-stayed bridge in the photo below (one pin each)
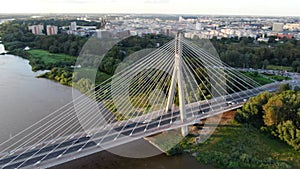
(171, 87)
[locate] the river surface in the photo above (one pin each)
(25, 99)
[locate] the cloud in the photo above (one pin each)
(79, 1)
(156, 1)
(87, 1)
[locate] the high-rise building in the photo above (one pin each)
(51, 30)
(198, 26)
(73, 26)
(277, 27)
(36, 29)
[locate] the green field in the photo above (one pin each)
(239, 146)
(41, 59)
(278, 78)
(274, 67)
(258, 78)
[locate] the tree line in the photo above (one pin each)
(277, 114)
(16, 36)
(244, 53)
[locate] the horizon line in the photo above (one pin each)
(146, 13)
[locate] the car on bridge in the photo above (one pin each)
(147, 121)
(229, 103)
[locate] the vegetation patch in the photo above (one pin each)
(42, 60)
(277, 77)
(265, 133)
(275, 67)
(241, 146)
(236, 145)
(258, 78)
(277, 114)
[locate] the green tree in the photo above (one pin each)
(265, 64)
(296, 66)
(285, 87)
(252, 111)
(288, 132)
(273, 111)
(53, 49)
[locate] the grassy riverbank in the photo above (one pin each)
(61, 71)
(41, 59)
(235, 145)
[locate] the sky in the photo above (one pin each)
(222, 7)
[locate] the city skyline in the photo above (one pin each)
(216, 7)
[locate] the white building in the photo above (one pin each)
(187, 19)
(263, 39)
(198, 26)
(277, 27)
(73, 26)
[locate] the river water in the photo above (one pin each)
(25, 99)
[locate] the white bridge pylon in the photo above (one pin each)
(177, 79)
